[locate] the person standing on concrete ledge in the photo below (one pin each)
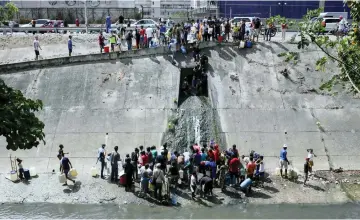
(129, 38)
(115, 158)
(70, 45)
(306, 170)
(101, 42)
(284, 161)
(37, 47)
(101, 158)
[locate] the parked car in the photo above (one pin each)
(145, 23)
(248, 21)
(330, 24)
(117, 25)
(39, 23)
(9, 24)
(51, 24)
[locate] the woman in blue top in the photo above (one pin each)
(203, 154)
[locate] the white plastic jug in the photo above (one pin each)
(242, 44)
(13, 176)
(32, 171)
(94, 172)
(62, 178)
(73, 172)
(181, 174)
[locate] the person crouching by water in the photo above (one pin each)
(206, 184)
(158, 179)
(65, 166)
(21, 169)
(129, 170)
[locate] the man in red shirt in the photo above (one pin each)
(217, 154)
(142, 36)
(251, 166)
(211, 154)
(101, 42)
(234, 167)
(144, 158)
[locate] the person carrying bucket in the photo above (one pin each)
(65, 166)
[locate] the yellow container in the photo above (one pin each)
(151, 186)
(73, 172)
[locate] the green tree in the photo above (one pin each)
(19, 125)
(344, 50)
(8, 12)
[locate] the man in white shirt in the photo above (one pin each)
(37, 47)
(149, 33)
(101, 158)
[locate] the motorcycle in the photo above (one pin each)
(273, 31)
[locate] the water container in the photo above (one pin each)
(122, 180)
(73, 172)
(62, 178)
(181, 174)
(169, 156)
(242, 44)
(13, 176)
(248, 44)
(173, 199)
(33, 171)
(151, 186)
(94, 171)
(246, 183)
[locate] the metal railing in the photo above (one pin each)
(52, 29)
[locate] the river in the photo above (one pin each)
(112, 211)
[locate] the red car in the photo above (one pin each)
(50, 24)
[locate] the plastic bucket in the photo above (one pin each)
(106, 49)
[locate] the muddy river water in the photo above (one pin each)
(112, 211)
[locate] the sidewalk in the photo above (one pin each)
(18, 48)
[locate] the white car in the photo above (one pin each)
(248, 21)
(117, 25)
(145, 23)
(39, 23)
(330, 24)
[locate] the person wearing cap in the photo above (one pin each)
(115, 158)
(283, 160)
(101, 158)
(306, 170)
(158, 178)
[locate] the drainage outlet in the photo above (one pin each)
(193, 82)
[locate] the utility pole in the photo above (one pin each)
(86, 21)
